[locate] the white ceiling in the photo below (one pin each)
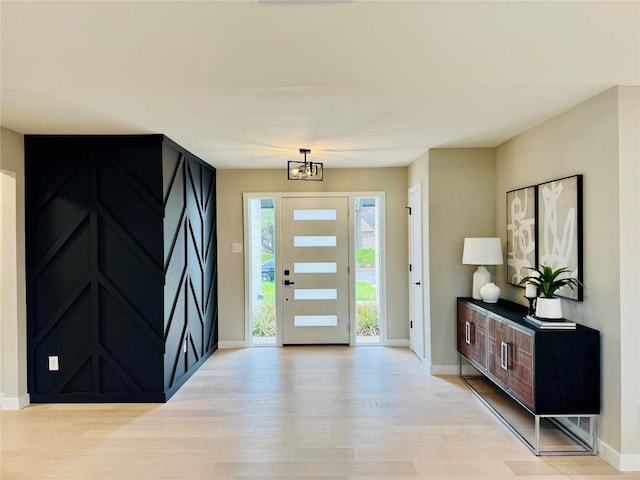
(365, 83)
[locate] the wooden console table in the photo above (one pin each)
(552, 374)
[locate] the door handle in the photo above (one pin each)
(289, 282)
(504, 355)
(418, 283)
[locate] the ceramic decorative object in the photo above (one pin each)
(490, 292)
(549, 308)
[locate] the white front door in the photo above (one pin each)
(315, 270)
(416, 331)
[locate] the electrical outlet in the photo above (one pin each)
(236, 248)
(53, 363)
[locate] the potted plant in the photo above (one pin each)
(548, 281)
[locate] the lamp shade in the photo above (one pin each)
(482, 251)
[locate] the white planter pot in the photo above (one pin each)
(550, 308)
(490, 292)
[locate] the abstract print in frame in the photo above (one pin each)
(521, 233)
(560, 229)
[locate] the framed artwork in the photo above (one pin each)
(521, 233)
(559, 238)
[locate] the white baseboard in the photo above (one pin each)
(232, 344)
(243, 344)
(624, 463)
(396, 342)
(629, 463)
(15, 403)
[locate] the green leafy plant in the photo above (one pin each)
(365, 292)
(367, 323)
(264, 320)
(548, 280)
(366, 257)
(269, 293)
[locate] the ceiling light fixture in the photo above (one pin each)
(305, 170)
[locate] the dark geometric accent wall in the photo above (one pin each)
(190, 306)
(121, 267)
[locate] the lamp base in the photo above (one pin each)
(480, 277)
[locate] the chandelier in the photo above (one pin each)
(305, 170)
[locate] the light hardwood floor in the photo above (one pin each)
(331, 413)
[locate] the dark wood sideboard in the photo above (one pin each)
(551, 373)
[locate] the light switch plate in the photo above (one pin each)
(236, 248)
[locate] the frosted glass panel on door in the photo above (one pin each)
(315, 320)
(315, 267)
(315, 294)
(315, 241)
(326, 214)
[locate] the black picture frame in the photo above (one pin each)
(559, 229)
(522, 252)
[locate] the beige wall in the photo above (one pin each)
(585, 140)
(13, 358)
(232, 183)
(462, 185)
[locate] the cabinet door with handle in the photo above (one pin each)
(479, 331)
(472, 334)
(499, 355)
(511, 359)
(521, 371)
(465, 333)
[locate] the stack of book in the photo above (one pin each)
(546, 324)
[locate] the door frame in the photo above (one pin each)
(277, 197)
(416, 330)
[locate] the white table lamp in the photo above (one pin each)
(481, 251)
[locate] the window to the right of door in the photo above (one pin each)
(367, 265)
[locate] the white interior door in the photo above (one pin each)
(315, 276)
(416, 331)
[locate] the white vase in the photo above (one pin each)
(550, 308)
(490, 292)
